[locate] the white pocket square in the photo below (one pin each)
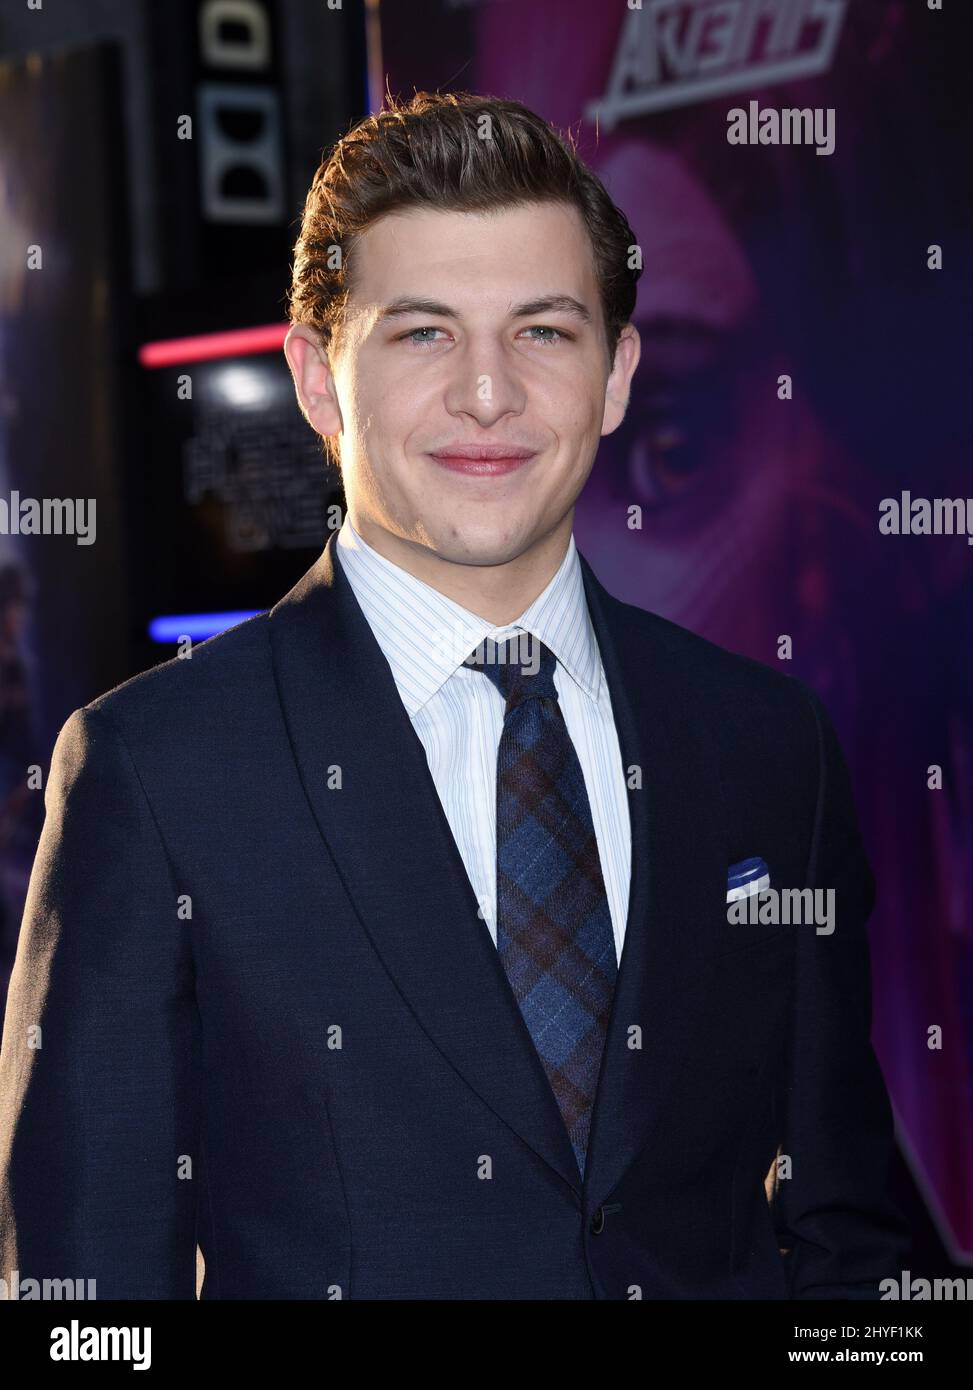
(746, 878)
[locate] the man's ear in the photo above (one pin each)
(627, 354)
(313, 379)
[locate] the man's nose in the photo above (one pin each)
(485, 383)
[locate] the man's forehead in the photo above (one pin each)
(511, 254)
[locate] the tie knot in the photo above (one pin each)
(521, 667)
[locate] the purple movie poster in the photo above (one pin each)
(797, 422)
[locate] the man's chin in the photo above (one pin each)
(478, 549)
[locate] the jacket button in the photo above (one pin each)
(597, 1224)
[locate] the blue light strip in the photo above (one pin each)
(197, 626)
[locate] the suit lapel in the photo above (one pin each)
(678, 885)
(392, 847)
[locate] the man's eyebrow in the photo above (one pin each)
(547, 304)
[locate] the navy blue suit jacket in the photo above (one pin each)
(273, 1023)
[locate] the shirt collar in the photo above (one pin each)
(426, 637)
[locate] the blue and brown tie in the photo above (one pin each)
(554, 929)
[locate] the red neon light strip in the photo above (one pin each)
(237, 342)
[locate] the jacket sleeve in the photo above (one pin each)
(100, 1055)
(835, 1212)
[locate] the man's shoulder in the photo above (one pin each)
(764, 728)
(207, 678)
(710, 676)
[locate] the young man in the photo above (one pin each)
(387, 947)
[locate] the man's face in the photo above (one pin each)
(483, 363)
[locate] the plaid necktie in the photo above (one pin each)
(554, 929)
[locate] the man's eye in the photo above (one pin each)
(419, 342)
(543, 328)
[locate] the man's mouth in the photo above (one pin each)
(483, 460)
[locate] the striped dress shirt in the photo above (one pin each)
(458, 714)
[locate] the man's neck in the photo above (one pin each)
(498, 593)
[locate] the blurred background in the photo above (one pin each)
(154, 161)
